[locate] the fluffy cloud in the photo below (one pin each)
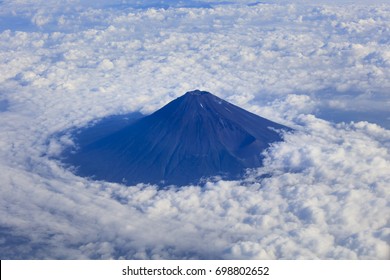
(326, 196)
(335, 54)
(323, 193)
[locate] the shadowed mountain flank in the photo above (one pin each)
(195, 136)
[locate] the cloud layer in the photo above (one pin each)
(326, 190)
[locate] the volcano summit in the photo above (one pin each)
(195, 136)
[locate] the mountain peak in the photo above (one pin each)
(183, 142)
(198, 92)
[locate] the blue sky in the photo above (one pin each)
(67, 63)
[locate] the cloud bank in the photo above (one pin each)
(323, 193)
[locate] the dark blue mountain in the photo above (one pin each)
(197, 135)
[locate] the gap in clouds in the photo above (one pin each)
(337, 115)
(352, 106)
(4, 105)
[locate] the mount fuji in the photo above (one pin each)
(194, 137)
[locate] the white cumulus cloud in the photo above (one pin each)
(323, 193)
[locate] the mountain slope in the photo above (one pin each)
(195, 136)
